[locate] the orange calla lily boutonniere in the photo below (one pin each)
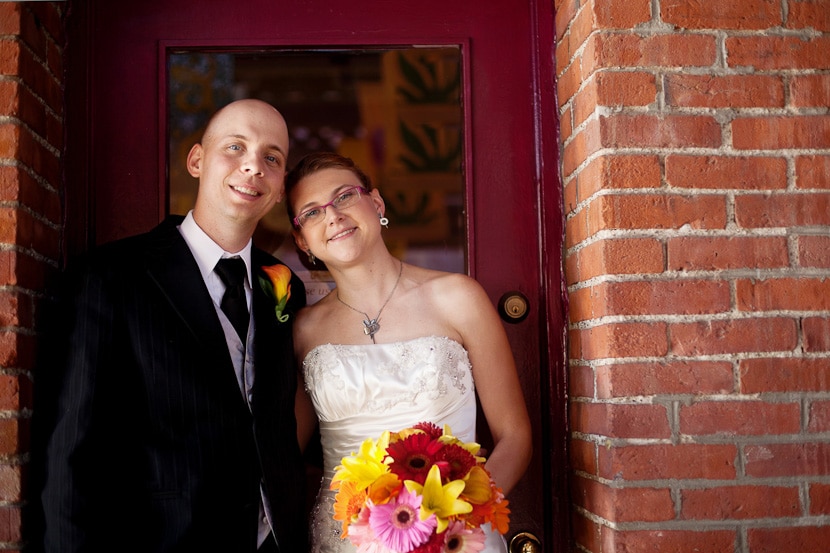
(278, 287)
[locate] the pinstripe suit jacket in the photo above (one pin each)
(153, 447)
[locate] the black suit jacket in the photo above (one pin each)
(152, 447)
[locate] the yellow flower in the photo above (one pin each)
(439, 499)
(472, 447)
(365, 466)
(477, 487)
(404, 434)
(278, 287)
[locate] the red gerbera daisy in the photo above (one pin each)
(435, 544)
(459, 460)
(431, 429)
(413, 457)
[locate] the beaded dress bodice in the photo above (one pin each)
(359, 391)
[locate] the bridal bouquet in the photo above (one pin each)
(418, 490)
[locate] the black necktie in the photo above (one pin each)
(232, 272)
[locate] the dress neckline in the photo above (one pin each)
(399, 343)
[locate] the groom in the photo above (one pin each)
(174, 428)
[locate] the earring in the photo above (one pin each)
(311, 258)
(383, 221)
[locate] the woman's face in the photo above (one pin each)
(341, 233)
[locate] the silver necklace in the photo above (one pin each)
(371, 326)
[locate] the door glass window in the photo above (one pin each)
(396, 112)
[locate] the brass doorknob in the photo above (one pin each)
(525, 542)
(513, 307)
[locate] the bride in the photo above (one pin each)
(393, 344)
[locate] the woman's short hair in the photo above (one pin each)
(318, 161)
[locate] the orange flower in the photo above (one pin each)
(386, 486)
(501, 516)
(347, 503)
(495, 511)
(278, 287)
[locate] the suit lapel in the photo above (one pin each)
(276, 372)
(171, 265)
(271, 338)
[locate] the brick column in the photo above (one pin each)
(31, 135)
(695, 144)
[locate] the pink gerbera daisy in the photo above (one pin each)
(397, 525)
(460, 539)
(359, 530)
(361, 535)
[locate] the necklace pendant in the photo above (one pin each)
(370, 327)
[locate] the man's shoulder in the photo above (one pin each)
(130, 250)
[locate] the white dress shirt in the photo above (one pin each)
(207, 254)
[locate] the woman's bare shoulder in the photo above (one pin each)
(447, 296)
(448, 287)
(311, 323)
(434, 281)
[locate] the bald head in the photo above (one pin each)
(240, 163)
(247, 106)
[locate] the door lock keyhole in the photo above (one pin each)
(514, 307)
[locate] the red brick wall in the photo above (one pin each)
(695, 144)
(31, 135)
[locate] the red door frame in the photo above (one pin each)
(102, 172)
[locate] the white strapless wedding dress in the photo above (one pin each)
(359, 391)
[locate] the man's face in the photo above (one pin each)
(240, 164)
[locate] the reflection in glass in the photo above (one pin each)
(396, 112)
